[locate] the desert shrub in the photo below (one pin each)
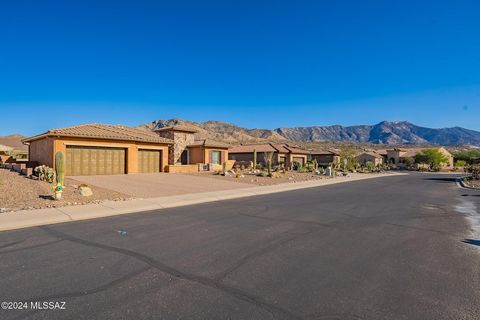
(474, 170)
(431, 157)
(276, 175)
(45, 173)
(263, 174)
(370, 166)
(471, 156)
(460, 163)
(303, 169)
(296, 165)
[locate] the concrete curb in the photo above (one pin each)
(462, 184)
(38, 217)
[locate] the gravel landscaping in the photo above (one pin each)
(18, 192)
(472, 183)
(250, 178)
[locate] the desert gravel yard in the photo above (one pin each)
(18, 192)
(288, 177)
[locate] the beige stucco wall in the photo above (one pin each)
(364, 158)
(43, 150)
(223, 154)
(185, 168)
(293, 155)
(446, 153)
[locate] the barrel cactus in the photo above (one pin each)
(60, 168)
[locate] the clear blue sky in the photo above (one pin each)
(255, 63)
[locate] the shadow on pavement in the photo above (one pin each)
(442, 179)
(472, 242)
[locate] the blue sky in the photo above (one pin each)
(256, 63)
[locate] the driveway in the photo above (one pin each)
(391, 248)
(149, 185)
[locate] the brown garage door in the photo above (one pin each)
(149, 161)
(84, 161)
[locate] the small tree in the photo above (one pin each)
(254, 159)
(431, 157)
(349, 159)
(409, 162)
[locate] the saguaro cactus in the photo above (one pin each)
(269, 158)
(60, 167)
(254, 159)
(224, 168)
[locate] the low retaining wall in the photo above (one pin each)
(184, 168)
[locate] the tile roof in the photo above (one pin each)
(264, 147)
(297, 150)
(281, 148)
(371, 153)
(268, 147)
(103, 131)
(208, 143)
(177, 128)
(322, 152)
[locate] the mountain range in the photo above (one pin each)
(385, 133)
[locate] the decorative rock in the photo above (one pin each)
(85, 191)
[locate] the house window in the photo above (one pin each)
(216, 157)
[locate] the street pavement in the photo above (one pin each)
(400, 247)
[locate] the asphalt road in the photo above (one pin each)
(391, 248)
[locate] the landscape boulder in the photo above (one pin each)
(85, 191)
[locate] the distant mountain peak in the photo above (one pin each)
(385, 132)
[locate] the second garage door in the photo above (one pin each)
(82, 161)
(149, 161)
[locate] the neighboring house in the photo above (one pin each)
(369, 156)
(11, 155)
(186, 150)
(397, 156)
(282, 153)
(325, 157)
(96, 149)
(6, 154)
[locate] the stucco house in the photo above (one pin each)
(282, 153)
(94, 149)
(325, 157)
(188, 154)
(370, 156)
(398, 156)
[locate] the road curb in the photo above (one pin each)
(462, 184)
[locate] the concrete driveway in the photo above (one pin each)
(149, 185)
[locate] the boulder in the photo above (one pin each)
(85, 191)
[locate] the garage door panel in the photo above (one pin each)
(149, 161)
(94, 160)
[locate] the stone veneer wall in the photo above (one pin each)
(181, 141)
